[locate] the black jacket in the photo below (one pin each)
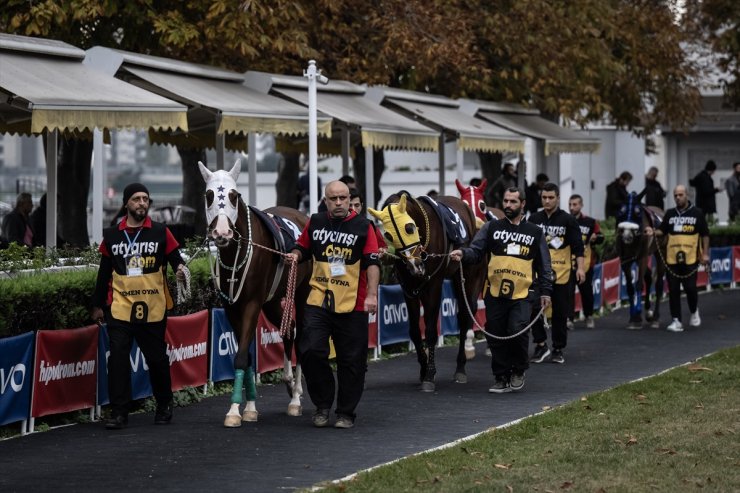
(616, 196)
(654, 193)
(704, 185)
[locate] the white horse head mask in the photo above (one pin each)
(222, 201)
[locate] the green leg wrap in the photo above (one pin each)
(236, 394)
(251, 388)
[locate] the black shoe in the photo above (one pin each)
(500, 386)
(557, 356)
(517, 381)
(117, 422)
(320, 418)
(163, 416)
(540, 353)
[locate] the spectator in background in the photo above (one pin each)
(732, 186)
(534, 191)
(349, 181)
(616, 194)
(38, 224)
(705, 189)
(17, 225)
(654, 193)
(303, 191)
(508, 179)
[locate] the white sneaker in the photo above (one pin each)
(695, 319)
(590, 322)
(675, 326)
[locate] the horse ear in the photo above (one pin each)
(483, 185)
(205, 172)
(236, 169)
(375, 214)
(402, 204)
(460, 187)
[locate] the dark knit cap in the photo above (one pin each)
(132, 189)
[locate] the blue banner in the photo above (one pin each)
(597, 283)
(224, 346)
(393, 315)
(16, 377)
(721, 262)
(448, 310)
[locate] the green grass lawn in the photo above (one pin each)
(678, 431)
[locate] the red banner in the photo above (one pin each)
(372, 331)
(65, 372)
(187, 348)
(270, 352)
(610, 281)
(702, 279)
(736, 264)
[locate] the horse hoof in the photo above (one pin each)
(250, 416)
(461, 377)
(470, 353)
(295, 410)
(232, 421)
(427, 386)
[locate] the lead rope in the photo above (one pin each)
(541, 313)
(289, 299)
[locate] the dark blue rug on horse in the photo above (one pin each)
(283, 231)
(451, 222)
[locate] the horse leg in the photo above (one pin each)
(413, 306)
(432, 299)
(635, 321)
(243, 380)
(659, 273)
(466, 349)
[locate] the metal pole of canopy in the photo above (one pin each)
(252, 167)
(460, 161)
(345, 151)
(98, 174)
(51, 188)
(442, 159)
(313, 74)
(220, 144)
(369, 177)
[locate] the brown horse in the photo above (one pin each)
(414, 227)
(250, 275)
(634, 246)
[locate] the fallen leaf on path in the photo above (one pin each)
(546, 408)
(698, 367)
(640, 397)
(566, 485)
(666, 451)
(502, 466)
(699, 405)
(632, 441)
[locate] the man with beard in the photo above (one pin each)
(131, 294)
(520, 262)
(563, 237)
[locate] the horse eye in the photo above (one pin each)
(482, 205)
(388, 237)
(410, 228)
(233, 197)
(209, 197)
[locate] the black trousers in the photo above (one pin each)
(150, 338)
(689, 287)
(349, 333)
(506, 317)
(562, 300)
(587, 293)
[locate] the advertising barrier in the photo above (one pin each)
(65, 370)
(270, 348)
(448, 310)
(610, 280)
(736, 264)
(393, 315)
(721, 264)
(597, 284)
(16, 362)
(187, 348)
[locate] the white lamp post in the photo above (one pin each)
(313, 75)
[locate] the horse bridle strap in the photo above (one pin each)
(216, 274)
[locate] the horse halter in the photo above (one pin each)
(401, 230)
(630, 226)
(222, 197)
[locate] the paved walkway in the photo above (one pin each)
(196, 453)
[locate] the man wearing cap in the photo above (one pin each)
(131, 294)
